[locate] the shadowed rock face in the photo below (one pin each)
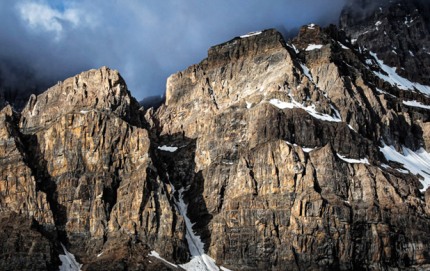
(398, 31)
(273, 147)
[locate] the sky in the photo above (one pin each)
(45, 41)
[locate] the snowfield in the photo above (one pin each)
(312, 47)
(417, 162)
(394, 79)
(68, 261)
(309, 109)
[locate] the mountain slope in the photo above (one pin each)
(311, 154)
(289, 163)
(397, 31)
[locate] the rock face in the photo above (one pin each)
(267, 155)
(78, 163)
(398, 31)
(271, 183)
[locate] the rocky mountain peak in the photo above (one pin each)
(99, 89)
(311, 154)
(249, 44)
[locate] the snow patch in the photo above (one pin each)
(416, 104)
(250, 34)
(199, 260)
(309, 109)
(380, 91)
(156, 255)
(343, 46)
(417, 162)
(168, 148)
(306, 71)
(311, 26)
(307, 150)
(248, 105)
(378, 23)
(396, 80)
(353, 161)
(352, 128)
(68, 261)
(312, 47)
(293, 47)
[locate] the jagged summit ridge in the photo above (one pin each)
(310, 154)
(102, 90)
(315, 107)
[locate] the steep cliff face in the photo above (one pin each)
(290, 166)
(78, 163)
(267, 155)
(397, 30)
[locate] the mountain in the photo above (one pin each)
(311, 154)
(397, 30)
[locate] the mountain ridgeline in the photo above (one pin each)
(311, 154)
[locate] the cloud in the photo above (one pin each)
(39, 16)
(145, 40)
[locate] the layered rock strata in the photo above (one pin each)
(267, 155)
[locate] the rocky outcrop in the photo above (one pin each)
(271, 183)
(310, 154)
(398, 31)
(80, 166)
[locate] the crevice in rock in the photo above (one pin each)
(44, 182)
(221, 198)
(251, 174)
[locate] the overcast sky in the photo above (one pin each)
(146, 40)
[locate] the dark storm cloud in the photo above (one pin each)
(45, 41)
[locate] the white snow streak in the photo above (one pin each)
(380, 91)
(250, 34)
(343, 46)
(293, 47)
(306, 71)
(68, 261)
(353, 161)
(312, 47)
(303, 148)
(309, 109)
(199, 260)
(168, 148)
(417, 162)
(156, 255)
(416, 104)
(396, 80)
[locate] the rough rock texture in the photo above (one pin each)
(80, 165)
(269, 203)
(398, 31)
(271, 150)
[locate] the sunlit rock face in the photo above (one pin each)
(289, 168)
(311, 154)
